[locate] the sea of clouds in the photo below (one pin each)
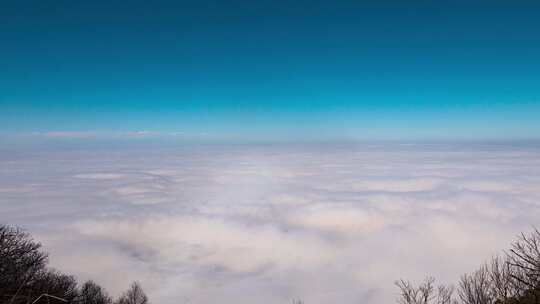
(215, 223)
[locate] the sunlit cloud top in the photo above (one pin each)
(245, 223)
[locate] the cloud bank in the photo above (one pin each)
(245, 223)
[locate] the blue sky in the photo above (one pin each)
(273, 70)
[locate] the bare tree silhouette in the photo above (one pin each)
(425, 293)
(134, 295)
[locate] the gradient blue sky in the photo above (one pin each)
(272, 70)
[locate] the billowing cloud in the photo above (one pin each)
(247, 223)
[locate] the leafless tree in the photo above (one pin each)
(523, 259)
(502, 284)
(476, 288)
(92, 293)
(20, 262)
(511, 279)
(134, 295)
(425, 293)
(55, 283)
(25, 277)
(524, 255)
(408, 293)
(445, 295)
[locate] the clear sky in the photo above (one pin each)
(272, 69)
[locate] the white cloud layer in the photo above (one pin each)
(266, 224)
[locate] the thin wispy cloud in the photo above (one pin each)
(103, 135)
